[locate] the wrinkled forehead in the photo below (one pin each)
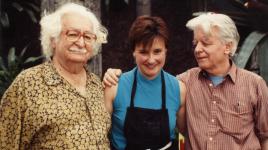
(76, 21)
(200, 31)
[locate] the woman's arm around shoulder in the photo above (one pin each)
(181, 118)
(109, 96)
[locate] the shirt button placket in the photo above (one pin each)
(210, 84)
(213, 114)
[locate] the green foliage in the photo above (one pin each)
(30, 7)
(12, 67)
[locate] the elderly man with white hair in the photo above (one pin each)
(226, 106)
(59, 104)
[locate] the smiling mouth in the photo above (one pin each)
(201, 58)
(78, 51)
(150, 66)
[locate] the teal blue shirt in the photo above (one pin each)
(148, 95)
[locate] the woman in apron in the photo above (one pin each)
(147, 100)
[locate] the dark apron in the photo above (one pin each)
(147, 128)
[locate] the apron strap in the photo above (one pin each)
(133, 91)
(134, 86)
(163, 90)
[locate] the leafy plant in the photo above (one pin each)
(30, 7)
(10, 68)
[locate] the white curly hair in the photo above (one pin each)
(227, 29)
(51, 27)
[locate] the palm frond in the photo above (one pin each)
(11, 57)
(4, 20)
(13, 67)
(18, 6)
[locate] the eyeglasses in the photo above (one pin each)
(75, 35)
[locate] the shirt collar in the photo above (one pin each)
(52, 77)
(231, 74)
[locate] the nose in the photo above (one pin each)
(80, 42)
(198, 47)
(151, 59)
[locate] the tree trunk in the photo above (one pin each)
(1, 39)
(1, 42)
(143, 7)
(95, 64)
(47, 6)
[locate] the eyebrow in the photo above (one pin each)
(78, 30)
(205, 38)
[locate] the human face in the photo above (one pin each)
(150, 60)
(69, 48)
(210, 52)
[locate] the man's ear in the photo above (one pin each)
(229, 46)
(53, 42)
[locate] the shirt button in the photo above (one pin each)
(210, 138)
(210, 84)
(214, 102)
(212, 120)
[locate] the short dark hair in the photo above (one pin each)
(145, 29)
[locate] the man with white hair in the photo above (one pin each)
(226, 107)
(59, 104)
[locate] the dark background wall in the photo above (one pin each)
(22, 29)
(118, 19)
(118, 15)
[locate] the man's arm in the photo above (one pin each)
(181, 115)
(261, 112)
(10, 119)
(264, 144)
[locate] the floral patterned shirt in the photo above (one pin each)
(41, 110)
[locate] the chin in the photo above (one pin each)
(203, 66)
(79, 58)
(84, 61)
